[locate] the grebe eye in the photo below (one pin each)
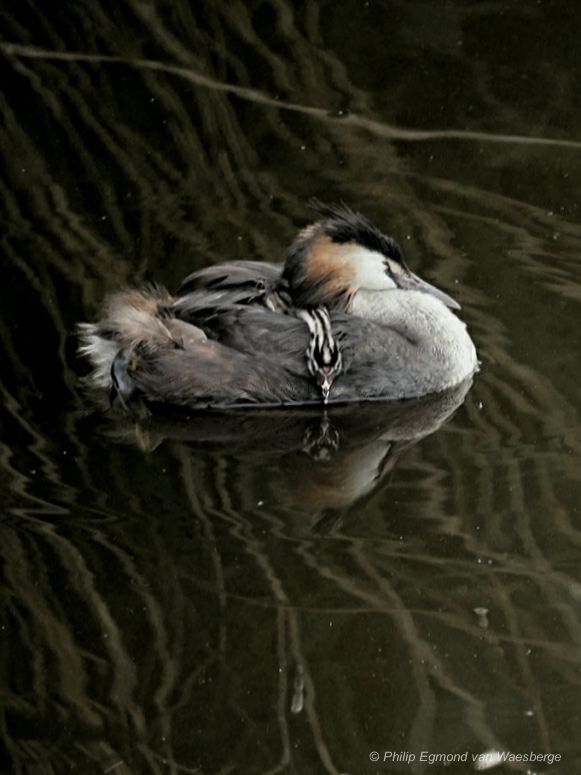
(393, 267)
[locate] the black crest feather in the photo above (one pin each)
(342, 225)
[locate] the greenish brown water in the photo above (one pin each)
(286, 594)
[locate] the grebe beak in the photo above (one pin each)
(411, 282)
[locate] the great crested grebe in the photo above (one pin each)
(343, 318)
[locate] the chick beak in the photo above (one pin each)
(412, 282)
(325, 385)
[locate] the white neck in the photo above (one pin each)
(426, 322)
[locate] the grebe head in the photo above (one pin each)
(343, 253)
(324, 360)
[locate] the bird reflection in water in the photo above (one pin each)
(320, 463)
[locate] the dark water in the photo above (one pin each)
(284, 595)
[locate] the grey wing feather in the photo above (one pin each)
(258, 275)
(199, 306)
(257, 331)
(212, 374)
